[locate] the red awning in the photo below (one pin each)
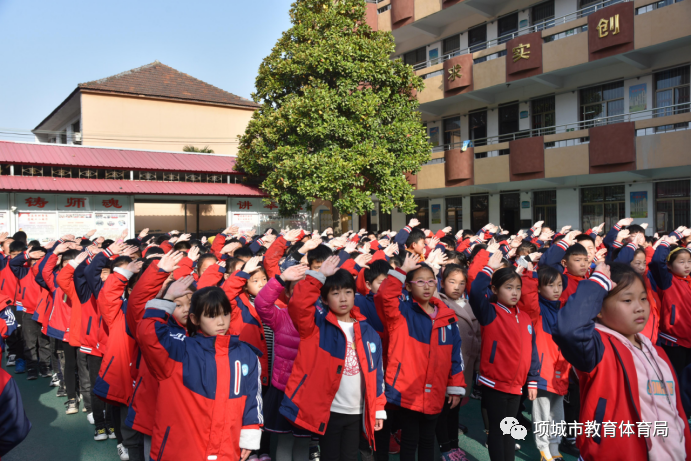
(117, 159)
(110, 186)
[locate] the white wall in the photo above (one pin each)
(433, 46)
(494, 209)
(563, 7)
(463, 41)
(649, 189)
(441, 202)
(566, 108)
(648, 80)
(491, 31)
(524, 15)
(568, 209)
(466, 211)
(398, 220)
(524, 123)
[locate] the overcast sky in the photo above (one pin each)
(48, 46)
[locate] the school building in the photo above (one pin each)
(48, 190)
(574, 112)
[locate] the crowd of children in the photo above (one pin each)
(363, 344)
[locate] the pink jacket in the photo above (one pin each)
(286, 338)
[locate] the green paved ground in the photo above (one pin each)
(56, 436)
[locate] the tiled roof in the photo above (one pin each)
(111, 186)
(119, 159)
(160, 80)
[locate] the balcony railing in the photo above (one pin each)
(576, 126)
(548, 23)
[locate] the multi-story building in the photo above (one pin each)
(574, 112)
(152, 107)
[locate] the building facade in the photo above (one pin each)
(153, 107)
(574, 112)
(49, 190)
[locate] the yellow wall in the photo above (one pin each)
(567, 161)
(431, 176)
(140, 123)
(566, 52)
(491, 170)
(434, 89)
(662, 25)
(664, 150)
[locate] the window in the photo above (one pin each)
(30, 170)
(454, 216)
(477, 38)
(542, 13)
(655, 6)
(506, 26)
(452, 130)
(602, 204)
(543, 115)
(545, 208)
(591, 6)
(672, 88)
(672, 205)
(479, 212)
(451, 44)
(478, 127)
(598, 102)
(509, 212)
(384, 220)
(415, 57)
(508, 121)
(422, 213)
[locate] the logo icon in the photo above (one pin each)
(530, 330)
(373, 348)
(245, 369)
(511, 426)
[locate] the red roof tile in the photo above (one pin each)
(108, 186)
(119, 159)
(159, 80)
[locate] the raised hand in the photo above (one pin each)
(350, 247)
(645, 225)
(565, 229)
(123, 234)
(433, 242)
(67, 237)
(38, 254)
(545, 236)
(391, 250)
(292, 235)
(603, 268)
(193, 254)
(311, 244)
(495, 261)
(135, 266)
(90, 233)
(447, 229)
(252, 264)
(169, 261)
(459, 234)
(143, 233)
(230, 248)
(184, 237)
(179, 288)
(569, 238)
(330, 266)
(537, 226)
(410, 263)
(493, 247)
(81, 257)
(129, 250)
(231, 230)
(294, 273)
(600, 255)
(622, 235)
(363, 259)
(60, 249)
(413, 223)
(3, 236)
(625, 222)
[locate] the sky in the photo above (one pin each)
(51, 46)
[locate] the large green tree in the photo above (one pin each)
(337, 117)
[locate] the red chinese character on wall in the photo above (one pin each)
(244, 205)
(271, 206)
(75, 203)
(36, 202)
(111, 203)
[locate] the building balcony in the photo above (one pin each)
(635, 142)
(554, 54)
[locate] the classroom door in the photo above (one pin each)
(509, 212)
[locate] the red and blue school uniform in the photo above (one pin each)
(114, 383)
(553, 371)
(250, 327)
(553, 257)
(210, 403)
(424, 355)
(14, 425)
(608, 380)
(7, 321)
(509, 358)
(31, 296)
(59, 312)
(318, 367)
(8, 281)
(675, 300)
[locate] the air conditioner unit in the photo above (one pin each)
(77, 137)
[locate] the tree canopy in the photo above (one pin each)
(338, 118)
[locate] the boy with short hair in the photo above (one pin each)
(571, 260)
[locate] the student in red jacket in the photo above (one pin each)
(336, 385)
(540, 298)
(670, 269)
(425, 366)
(508, 351)
(629, 390)
(571, 259)
(210, 404)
